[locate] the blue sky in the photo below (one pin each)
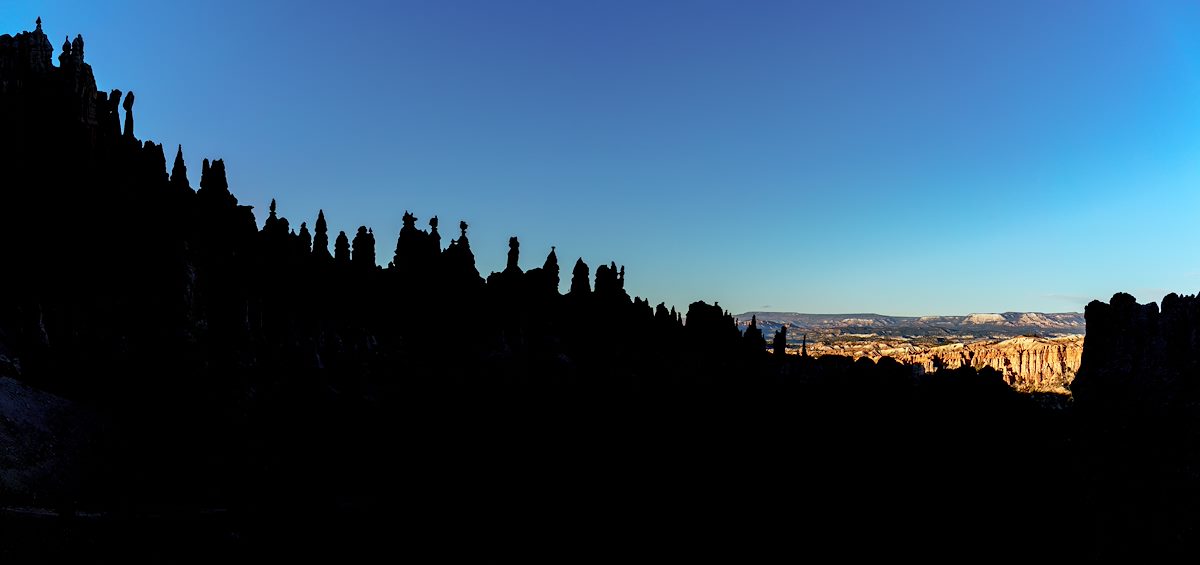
(918, 157)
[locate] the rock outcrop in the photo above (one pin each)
(1137, 404)
(26, 65)
(1027, 363)
(1139, 359)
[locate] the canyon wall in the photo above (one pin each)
(1034, 364)
(1027, 363)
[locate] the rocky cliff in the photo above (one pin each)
(1027, 363)
(1137, 405)
(1033, 351)
(1139, 358)
(1035, 364)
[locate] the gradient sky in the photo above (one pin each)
(916, 157)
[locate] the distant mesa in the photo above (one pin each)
(1009, 324)
(985, 319)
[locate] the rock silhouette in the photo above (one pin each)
(1138, 405)
(128, 105)
(341, 248)
(320, 247)
(580, 285)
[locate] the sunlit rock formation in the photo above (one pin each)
(1027, 363)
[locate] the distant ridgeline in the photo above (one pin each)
(292, 381)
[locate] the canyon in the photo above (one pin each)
(1034, 352)
(1028, 363)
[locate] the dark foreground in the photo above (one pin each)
(954, 466)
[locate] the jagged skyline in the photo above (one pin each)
(704, 166)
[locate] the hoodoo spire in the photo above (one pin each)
(179, 169)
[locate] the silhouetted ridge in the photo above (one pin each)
(248, 389)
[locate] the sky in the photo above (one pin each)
(902, 158)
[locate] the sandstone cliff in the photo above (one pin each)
(1028, 363)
